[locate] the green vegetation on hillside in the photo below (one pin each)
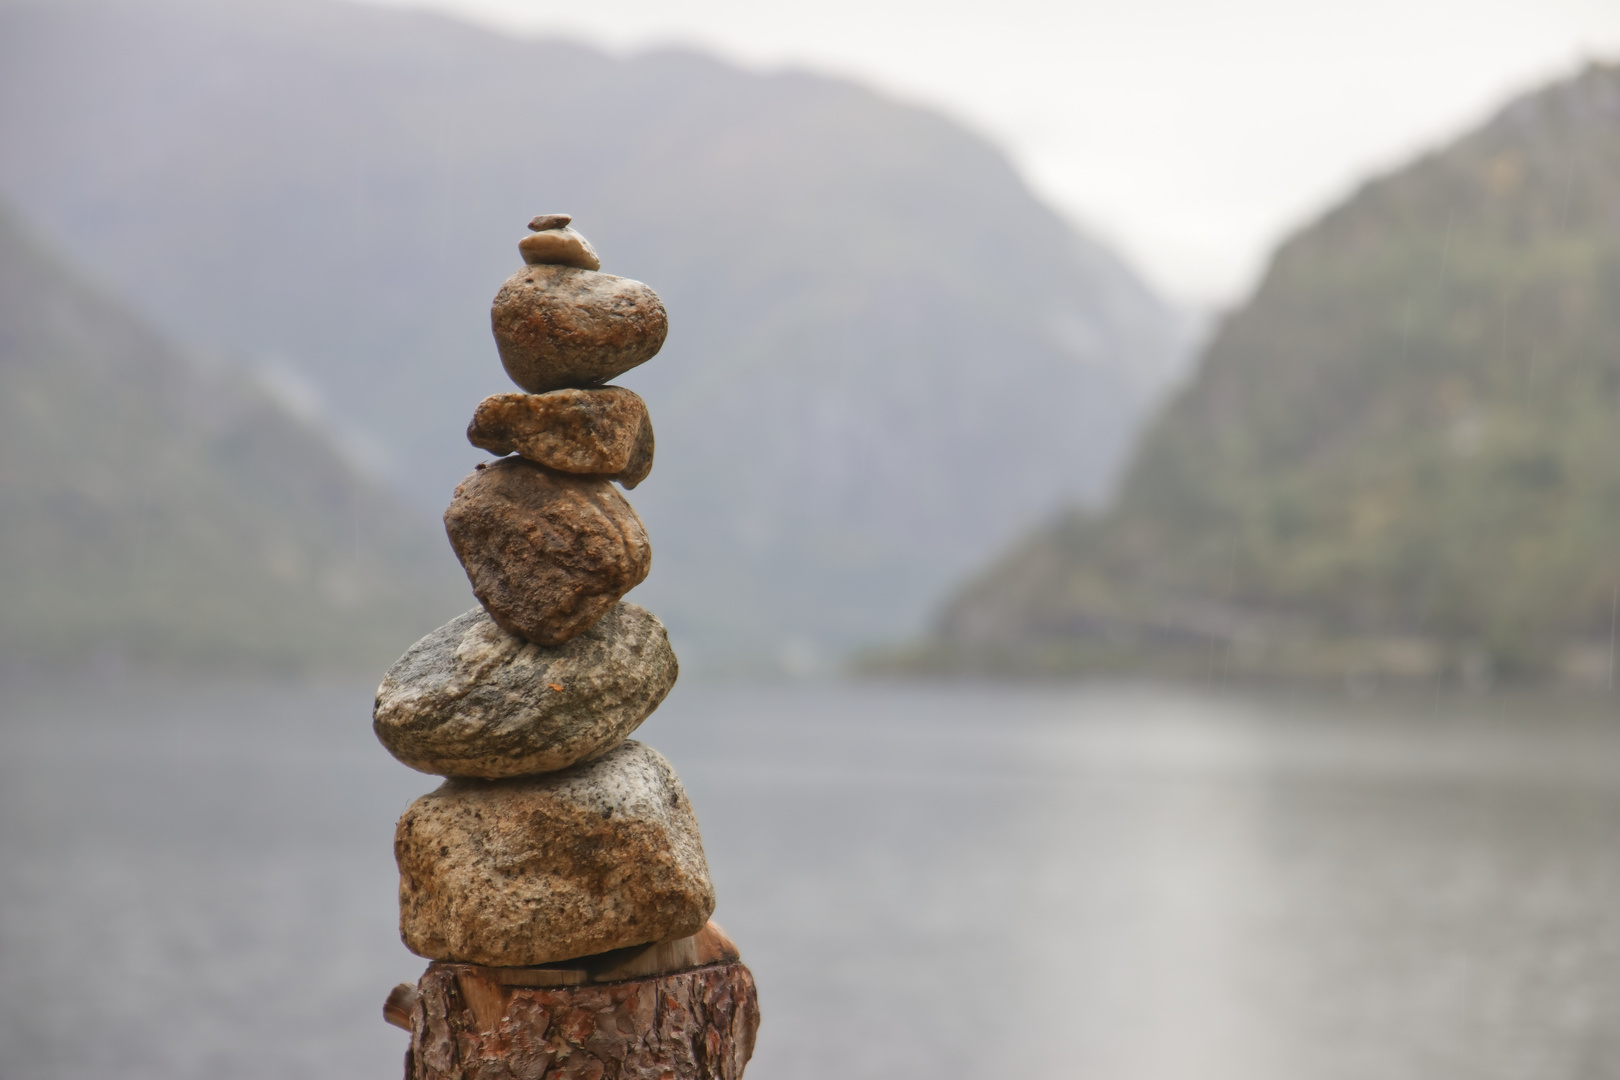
(1400, 457)
(167, 512)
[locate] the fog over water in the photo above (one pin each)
(197, 881)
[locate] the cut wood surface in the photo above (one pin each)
(401, 1003)
(697, 1024)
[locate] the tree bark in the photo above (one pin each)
(697, 1024)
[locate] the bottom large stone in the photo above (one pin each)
(536, 869)
(692, 1025)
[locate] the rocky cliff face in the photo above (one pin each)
(890, 358)
(155, 507)
(1401, 455)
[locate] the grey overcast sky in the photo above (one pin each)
(1191, 135)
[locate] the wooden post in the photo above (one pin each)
(691, 1025)
(682, 1010)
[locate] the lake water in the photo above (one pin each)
(970, 881)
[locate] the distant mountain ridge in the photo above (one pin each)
(158, 510)
(1400, 458)
(886, 357)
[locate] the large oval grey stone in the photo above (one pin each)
(513, 873)
(471, 699)
(558, 326)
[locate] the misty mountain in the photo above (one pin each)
(886, 356)
(1400, 458)
(160, 508)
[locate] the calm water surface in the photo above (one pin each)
(1129, 883)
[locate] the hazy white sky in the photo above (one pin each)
(1192, 135)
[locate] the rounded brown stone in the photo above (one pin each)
(558, 326)
(542, 222)
(547, 553)
(538, 869)
(603, 431)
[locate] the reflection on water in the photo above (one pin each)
(958, 882)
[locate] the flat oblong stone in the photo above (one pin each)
(603, 431)
(548, 553)
(533, 870)
(708, 946)
(559, 246)
(471, 699)
(558, 326)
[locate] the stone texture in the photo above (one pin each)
(538, 869)
(547, 553)
(557, 326)
(471, 699)
(559, 246)
(696, 1024)
(603, 431)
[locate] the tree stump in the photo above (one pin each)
(470, 1023)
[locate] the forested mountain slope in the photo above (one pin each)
(1402, 455)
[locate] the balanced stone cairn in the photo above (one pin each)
(556, 880)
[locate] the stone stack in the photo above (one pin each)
(556, 880)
